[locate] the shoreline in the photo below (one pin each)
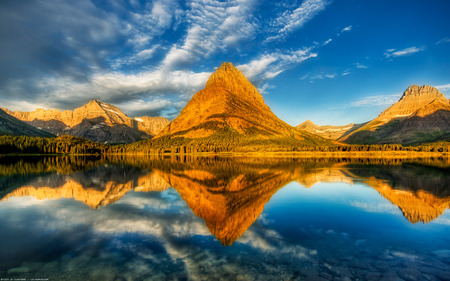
(299, 154)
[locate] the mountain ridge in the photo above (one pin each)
(328, 131)
(422, 114)
(96, 121)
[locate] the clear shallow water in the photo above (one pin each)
(224, 218)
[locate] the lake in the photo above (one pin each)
(224, 218)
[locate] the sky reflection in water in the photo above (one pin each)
(168, 219)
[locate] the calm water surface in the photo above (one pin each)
(68, 218)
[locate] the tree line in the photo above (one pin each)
(166, 145)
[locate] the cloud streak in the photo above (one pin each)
(345, 29)
(213, 26)
(443, 41)
(290, 21)
(443, 88)
(393, 53)
(380, 100)
(320, 76)
(270, 65)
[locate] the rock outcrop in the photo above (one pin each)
(421, 115)
(97, 121)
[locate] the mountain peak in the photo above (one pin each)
(412, 99)
(308, 122)
(230, 79)
(227, 66)
(423, 92)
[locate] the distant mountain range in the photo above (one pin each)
(421, 115)
(96, 121)
(329, 131)
(229, 112)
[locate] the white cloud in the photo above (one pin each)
(136, 58)
(264, 88)
(443, 40)
(319, 76)
(392, 53)
(380, 100)
(290, 21)
(327, 42)
(20, 105)
(162, 105)
(443, 88)
(322, 75)
(151, 21)
(126, 90)
(142, 26)
(382, 208)
(443, 220)
(345, 29)
(213, 26)
(360, 66)
(269, 66)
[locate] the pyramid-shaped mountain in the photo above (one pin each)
(421, 115)
(230, 103)
(96, 120)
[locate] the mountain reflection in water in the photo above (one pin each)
(228, 193)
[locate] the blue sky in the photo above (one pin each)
(333, 62)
